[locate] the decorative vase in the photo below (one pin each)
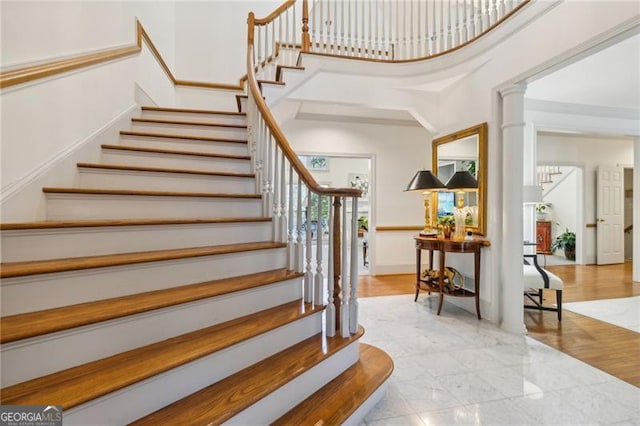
(541, 216)
(446, 231)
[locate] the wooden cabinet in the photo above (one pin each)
(543, 237)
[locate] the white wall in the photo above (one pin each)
(47, 122)
(564, 202)
(398, 152)
(211, 38)
(590, 152)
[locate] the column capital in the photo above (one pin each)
(518, 88)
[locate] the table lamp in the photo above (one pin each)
(426, 181)
(461, 182)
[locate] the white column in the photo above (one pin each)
(529, 168)
(636, 209)
(512, 286)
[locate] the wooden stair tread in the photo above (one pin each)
(187, 123)
(340, 398)
(34, 267)
(172, 136)
(97, 191)
(162, 170)
(52, 224)
(226, 398)
(22, 326)
(176, 152)
(192, 111)
(86, 382)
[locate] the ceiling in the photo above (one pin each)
(609, 78)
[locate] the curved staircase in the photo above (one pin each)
(153, 293)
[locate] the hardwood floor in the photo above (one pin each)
(605, 346)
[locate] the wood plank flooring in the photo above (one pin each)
(605, 346)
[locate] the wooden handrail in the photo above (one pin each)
(60, 66)
(276, 132)
(273, 15)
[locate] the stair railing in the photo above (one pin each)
(291, 195)
(398, 30)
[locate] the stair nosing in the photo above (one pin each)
(173, 136)
(346, 406)
(98, 191)
(187, 123)
(21, 326)
(208, 396)
(123, 167)
(175, 152)
(97, 378)
(47, 266)
(192, 111)
(123, 222)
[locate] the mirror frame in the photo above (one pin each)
(481, 130)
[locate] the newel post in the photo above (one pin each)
(306, 42)
(251, 22)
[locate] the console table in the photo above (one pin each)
(444, 246)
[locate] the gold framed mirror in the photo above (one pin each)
(465, 150)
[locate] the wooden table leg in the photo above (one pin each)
(441, 281)
(418, 261)
(476, 279)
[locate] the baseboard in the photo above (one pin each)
(23, 200)
(395, 269)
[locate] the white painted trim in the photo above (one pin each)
(357, 417)
(13, 188)
(581, 109)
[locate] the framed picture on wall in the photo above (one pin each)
(318, 163)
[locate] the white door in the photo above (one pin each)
(610, 218)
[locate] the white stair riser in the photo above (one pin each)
(155, 181)
(39, 244)
(103, 206)
(151, 159)
(136, 401)
(211, 147)
(187, 116)
(45, 291)
(178, 129)
(357, 418)
(243, 105)
(31, 358)
(277, 403)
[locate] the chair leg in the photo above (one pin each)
(540, 296)
(559, 303)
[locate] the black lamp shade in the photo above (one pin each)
(423, 180)
(462, 180)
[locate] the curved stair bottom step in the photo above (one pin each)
(348, 397)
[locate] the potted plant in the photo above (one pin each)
(363, 225)
(567, 243)
(447, 223)
(541, 211)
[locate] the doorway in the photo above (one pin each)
(342, 171)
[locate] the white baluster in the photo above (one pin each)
(418, 39)
(344, 306)
(331, 308)
(268, 174)
(397, 52)
(472, 21)
(497, 11)
(276, 194)
(434, 38)
(363, 47)
(334, 48)
(295, 27)
(456, 36)
(308, 275)
(465, 23)
(370, 36)
(383, 37)
(353, 300)
(291, 234)
(342, 15)
(283, 199)
(449, 43)
(319, 279)
(441, 43)
(411, 38)
(299, 246)
(314, 24)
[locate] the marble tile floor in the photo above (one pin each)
(455, 370)
(623, 312)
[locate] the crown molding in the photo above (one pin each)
(582, 109)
